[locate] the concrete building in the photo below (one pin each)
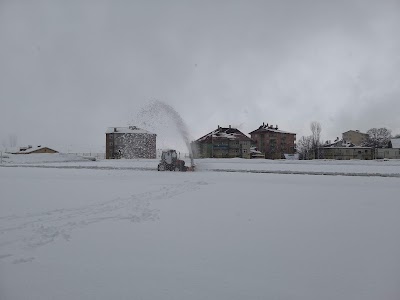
(355, 137)
(223, 142)
(345, 153)
(393, 152)
(274, 143)
(130, 142)
(343, 150)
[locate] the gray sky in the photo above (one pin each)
(70, 69)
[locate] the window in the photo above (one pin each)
(111, 143)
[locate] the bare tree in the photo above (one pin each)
(378, 137)
(304, 146)
(316, 137)
(12, 140)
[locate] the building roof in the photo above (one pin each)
(395, 143)
(130, 129)
(339, 144)
(30, 149)
(225, 133)
(270, 128)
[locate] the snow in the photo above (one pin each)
(31, 149)
(225, 133)
(41, 158)
(131, 129)
(265, 128)
(115, 233)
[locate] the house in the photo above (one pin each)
(34, 150)
(393, 152)
(275, 143)
(130, 142)
(344, 150)
(223, 142)
(355, 137)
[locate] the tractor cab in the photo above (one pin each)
(170, 162)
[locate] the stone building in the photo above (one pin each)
(275, 143)
(223, 142)
(130, 142)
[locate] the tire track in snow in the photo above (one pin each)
(29, 231)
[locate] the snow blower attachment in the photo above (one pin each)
(170, 162)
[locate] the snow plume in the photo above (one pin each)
(157, 117)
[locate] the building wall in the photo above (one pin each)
(274, 144)
(346, 153)
(355, 137)
(222, 148)
(391, 153)
(130, 145)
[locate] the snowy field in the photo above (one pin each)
(115, 233)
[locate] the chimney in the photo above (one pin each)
(115, 129)
(229, 126)
(263, 124)
(218, 126)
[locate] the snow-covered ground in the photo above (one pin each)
(114, 233)
(77, 229)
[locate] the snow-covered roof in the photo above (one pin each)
(130, 129)
(339, 144)
(270, 128)
(395, 143)
(225, 133)
(25, 150)
(254, 150)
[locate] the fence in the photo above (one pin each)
(89, 154)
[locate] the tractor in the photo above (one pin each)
(170, 162)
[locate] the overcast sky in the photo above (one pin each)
(70, 69)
